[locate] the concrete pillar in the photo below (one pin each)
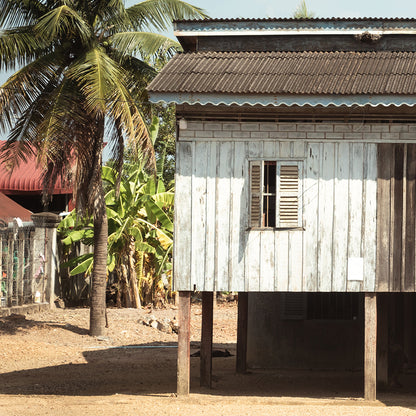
(45, 254)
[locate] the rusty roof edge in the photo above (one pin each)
(284, 100)
(295, 31)
(236, 25)
(293, 19)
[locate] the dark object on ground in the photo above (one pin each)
(215, 353)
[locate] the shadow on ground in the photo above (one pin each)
(150, 369)
(15, 323)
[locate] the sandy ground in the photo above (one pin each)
(50, 366)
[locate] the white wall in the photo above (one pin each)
(214, 250)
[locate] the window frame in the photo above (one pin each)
(259, 195)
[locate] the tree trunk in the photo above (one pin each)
(126, 286)
(133, 277)
(99, 277)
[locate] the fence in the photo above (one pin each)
(28, 261)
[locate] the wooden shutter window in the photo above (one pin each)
(255, 192)
(289, 196)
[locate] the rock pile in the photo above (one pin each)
(165, 325)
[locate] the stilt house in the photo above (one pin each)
(296, 187)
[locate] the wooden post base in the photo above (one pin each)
(206, 339)
(242, 332)
(370, 346)
(184, 344)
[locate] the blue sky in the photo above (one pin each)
(321, 8)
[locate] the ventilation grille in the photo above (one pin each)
(293, 306)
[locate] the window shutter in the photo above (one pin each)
(255, 193)
(289, 196)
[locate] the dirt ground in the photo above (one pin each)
(49, 365)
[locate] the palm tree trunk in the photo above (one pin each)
(99, 277)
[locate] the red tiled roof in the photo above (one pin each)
(314, 73)
(10, 209)
(27, 178)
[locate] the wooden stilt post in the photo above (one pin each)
(370, 346)
(382, 338)
(206, 339)
(242, 332)
(184, 347)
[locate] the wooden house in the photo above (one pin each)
(296, 183)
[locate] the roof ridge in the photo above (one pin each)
(291, 19)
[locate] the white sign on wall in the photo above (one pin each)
(355, 268)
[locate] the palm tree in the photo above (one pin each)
(81, 79)
(302, 11)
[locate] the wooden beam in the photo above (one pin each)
(382, 338)
(370, 346)
(242, 332)
(184, 345)
(206, 339)
(385, 154)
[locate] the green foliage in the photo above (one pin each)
(139, 221)
(84, 67)
(302, 11)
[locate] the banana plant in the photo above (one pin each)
(140, 225)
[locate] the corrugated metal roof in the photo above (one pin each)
(10, 209)
(302, 73)
(292, 19)
(27, 177)
(236, 25)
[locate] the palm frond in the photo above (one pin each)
(130, 121)
(43, 130)
(95, 73)
(117, 150)
(88, 156)
(19, 46)
(144, 43)
(62, 22)
(19, 92)
(302, 11)
(110, 15)
(141, 73)
(159, 14)
(14, 13)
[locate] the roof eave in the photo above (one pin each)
(283, 100)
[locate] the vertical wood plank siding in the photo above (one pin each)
(215, 249)
(183, 215)
(396, 195)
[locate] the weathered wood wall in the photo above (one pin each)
(396, 217)
(214, 250)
